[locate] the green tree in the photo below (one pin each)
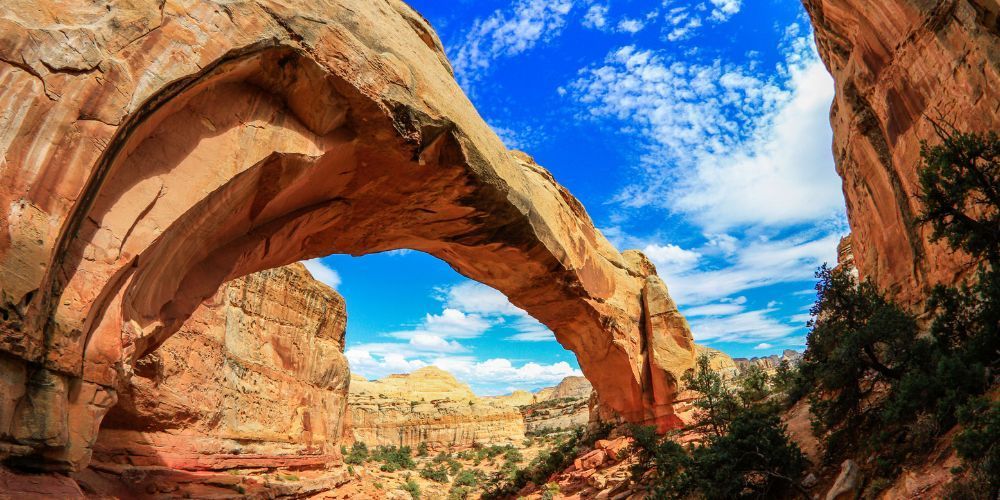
(717, 402)
(960, 192)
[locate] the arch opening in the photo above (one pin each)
(267, 158)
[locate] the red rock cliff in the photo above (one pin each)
(898, 65)
(256, 376)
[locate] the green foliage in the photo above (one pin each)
(859, 342)
(411, 487)
(509, 480)
(960, 192)
(422, 450)
(468, 477)
(550, 491)
(747, 452)
(876, 379)
(437, 473)
(394, 458)
(755, 459)
(358, 454)
(979, 444)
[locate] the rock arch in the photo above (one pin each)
(229, 139)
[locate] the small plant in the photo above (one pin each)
(358, 454)
(550, 491)
(422, 449)
(437, 474)
(411, 487)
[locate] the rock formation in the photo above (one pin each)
(427, 406)
(718, 361)
(900, 66)
(255, 379)
(154, 150)
(565, 406)
(769, 363)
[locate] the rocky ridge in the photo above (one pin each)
(427, 406)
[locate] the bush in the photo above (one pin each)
(746, 454)
(438, 474)
(394, 458)
(411, 487)
(979, 444)
(422, 449)
(358, 454)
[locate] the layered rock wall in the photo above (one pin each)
(154, 150)
(256, 378)
(899, 67)
(428, 406)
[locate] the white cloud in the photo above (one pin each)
(474, 297)
(596, 16)
(322, 273)
(728, 146)
(631, 25)
(762, 346)
(508, 33)
(761, 263)
(451, 323)
(744, 327)
(724, 9)
(671, 258)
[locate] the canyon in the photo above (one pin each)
(130, 194)
(156, 333)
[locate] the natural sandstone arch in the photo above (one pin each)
(301, 131)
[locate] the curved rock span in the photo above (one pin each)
(900, 66)
(153, 151)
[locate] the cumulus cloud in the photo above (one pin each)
(763, 345)
(322, 272)
(728, 146)
(596, 16)
(738, 151)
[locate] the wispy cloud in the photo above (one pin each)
(322, 272)
(506, 33)
(739, 152)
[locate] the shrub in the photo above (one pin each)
(411, 487)
(358, 454)
(438, 474)
(422, 449)
(394, 458)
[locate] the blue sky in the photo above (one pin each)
(694, 130)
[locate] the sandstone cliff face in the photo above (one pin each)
(427, 406)
(154, 150)
(898, 66)
(256, 378)
(719, 361)
(565, 406)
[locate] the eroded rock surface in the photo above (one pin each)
(900, 66)
(428, 406)
(256, 377)
(153, 151)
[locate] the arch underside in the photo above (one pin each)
(270, 155)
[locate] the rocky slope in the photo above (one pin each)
(565, 406)
(769, 363)
(427, 406)
(899, 67)
(154, 150)
(255, 379)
